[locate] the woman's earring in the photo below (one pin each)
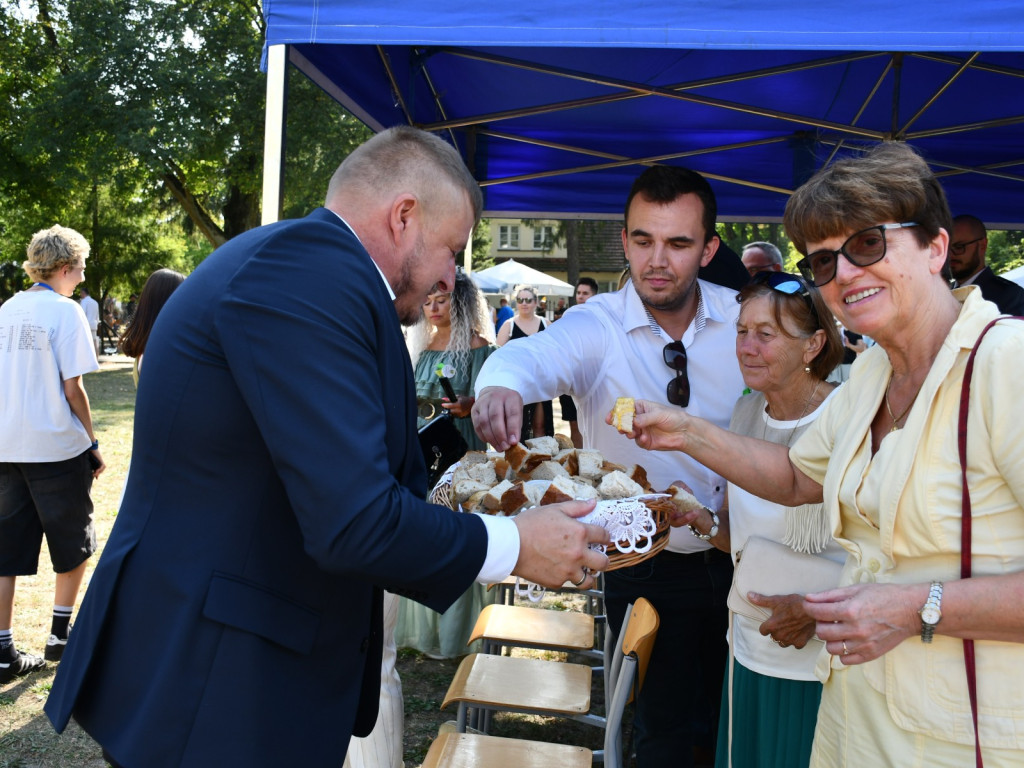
(807, 369)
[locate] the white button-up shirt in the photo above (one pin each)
(611, 347)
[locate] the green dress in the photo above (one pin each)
(436, 634)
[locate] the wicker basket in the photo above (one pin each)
(661, 510)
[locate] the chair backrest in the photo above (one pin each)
(640, 633)
(637, 639)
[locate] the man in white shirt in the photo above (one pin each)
(92, 313)
(669, 337)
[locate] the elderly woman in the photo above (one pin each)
(884, 458)
(787, 344)
(49, 454)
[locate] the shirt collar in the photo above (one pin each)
(637, 315)
(384, 280)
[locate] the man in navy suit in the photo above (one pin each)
(967, 249)
(277, 485)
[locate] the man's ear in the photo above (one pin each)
(403, 215)
(710, 248)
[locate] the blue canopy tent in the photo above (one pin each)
(556, 106)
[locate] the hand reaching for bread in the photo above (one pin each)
(498, 417)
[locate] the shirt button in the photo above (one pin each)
(874, 565)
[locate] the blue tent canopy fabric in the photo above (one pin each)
(557, 107)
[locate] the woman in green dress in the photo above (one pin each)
(456, 336)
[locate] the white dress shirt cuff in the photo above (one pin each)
(502, 549)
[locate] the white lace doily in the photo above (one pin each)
(629, 523)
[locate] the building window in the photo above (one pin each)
(508, 236)
(543, 237)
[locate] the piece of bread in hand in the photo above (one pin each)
(617, 485)
(515, 456)
(622, 414)
(683, 499)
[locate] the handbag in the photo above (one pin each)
(771, 568)
(442, 445)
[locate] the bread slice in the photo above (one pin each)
(543, 444)
(515, 456)
(564, 441)
(622, 414)
(492, 499)
(531, 461)
(683, 499)
(475, 503)
(548, 470)
(590, 463)
(481, 473)
(568, 459)
(513, 499)
(474, 457)
(583, 490)
(617, 485)
(466, 487)
(561, 489)
(638, 475)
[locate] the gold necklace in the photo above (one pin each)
(896, 419)
(792, 431)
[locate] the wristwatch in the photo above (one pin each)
(931, 612)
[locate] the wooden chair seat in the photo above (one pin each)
(500, 625)
(512, 684)
(466, 750)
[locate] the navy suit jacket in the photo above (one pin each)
(1005, 294)
(276, 484)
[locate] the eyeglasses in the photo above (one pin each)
(526, 300)
(678, 391)
(861, 249)
(957, 249)
(784, 282)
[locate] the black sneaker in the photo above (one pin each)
(55, 647)
(23, 664)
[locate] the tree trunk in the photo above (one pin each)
(193, 208)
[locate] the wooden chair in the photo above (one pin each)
(481, 686)
(500, 626)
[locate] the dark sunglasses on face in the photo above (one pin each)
(957, 249)
(861, 249)
(524, 300)
(788, 284)
(678, 391)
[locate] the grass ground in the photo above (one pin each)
(28, 741)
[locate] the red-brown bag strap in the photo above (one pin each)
(965, 529)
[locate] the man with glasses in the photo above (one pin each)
(669, 337)
(761, 257)
(967, 263)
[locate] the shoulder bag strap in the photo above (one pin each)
(965, 530)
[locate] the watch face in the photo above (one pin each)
(930, 615)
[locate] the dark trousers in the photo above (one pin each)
(678, 705)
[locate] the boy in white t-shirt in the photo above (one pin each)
(48, 452)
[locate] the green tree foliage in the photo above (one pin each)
(1005, 250)
(140, 123)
